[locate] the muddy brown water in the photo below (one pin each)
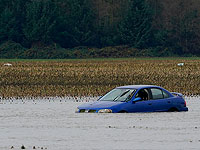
(52, 124)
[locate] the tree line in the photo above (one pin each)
(99, 28)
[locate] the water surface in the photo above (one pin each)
(52, 124)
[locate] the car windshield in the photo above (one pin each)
(119, 95)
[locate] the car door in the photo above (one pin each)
(159, 100)
(141, 106)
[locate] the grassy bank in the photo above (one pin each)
(92, 77)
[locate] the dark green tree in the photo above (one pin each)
(11, 20)
(40, 23)
(3, 4)
(185, 32)
(76, 25)
(7, 25)
(135, 28)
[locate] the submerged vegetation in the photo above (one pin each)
(94, 77)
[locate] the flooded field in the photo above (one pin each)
(52, 124)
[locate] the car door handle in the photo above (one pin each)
(149, 104)
(169, 102)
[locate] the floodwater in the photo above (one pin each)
(52, 124)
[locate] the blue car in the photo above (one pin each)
(136, 98)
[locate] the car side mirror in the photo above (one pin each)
(137, 99)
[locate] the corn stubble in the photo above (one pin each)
(95, 77)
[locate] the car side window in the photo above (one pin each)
(157, 93)
(143, 94)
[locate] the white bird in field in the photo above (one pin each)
(7, 64)
(180, 64)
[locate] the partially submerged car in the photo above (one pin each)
(136, 98)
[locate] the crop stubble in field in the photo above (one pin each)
(95, 77)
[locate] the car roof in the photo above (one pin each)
(137, 86)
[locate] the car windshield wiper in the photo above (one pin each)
(124, 93)
(129, 97)
(115, 99)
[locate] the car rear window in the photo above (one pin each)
(156, 93)
(166, 95)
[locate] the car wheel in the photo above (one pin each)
(173, 109)
(122, 111)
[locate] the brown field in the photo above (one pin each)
(62, 78)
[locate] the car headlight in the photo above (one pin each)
(105, 111)
(77, 110)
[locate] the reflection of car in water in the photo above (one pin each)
(136, 98)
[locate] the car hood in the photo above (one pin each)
(99, 105)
